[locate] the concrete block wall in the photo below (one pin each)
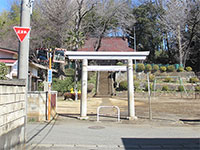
(12, 113)
(36, 107)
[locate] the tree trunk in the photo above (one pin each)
(62, 71)
(180, 47)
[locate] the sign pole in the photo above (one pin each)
(24, 45)
(23, 54)
(49, 89)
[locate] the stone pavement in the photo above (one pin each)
(68, 133)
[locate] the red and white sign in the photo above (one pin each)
(21, 32)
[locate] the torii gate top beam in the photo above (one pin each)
(107, 55)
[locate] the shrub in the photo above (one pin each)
(136, 86)
(146, 87)
(69, 71)
(3, 71)
(180, 88)
(41, 86)
(180, 69)
(168, 79)
(188, 69)
(171, 68)
(197, 88)
(163, 69)
(148, 68)
(62, 85)
(155, 68)
(92, 78)
(151, 77)
(134, 77)
(194, 80)
(123, 86)
(133, 67)
(140, 67)
(165, 88)
(120, 63)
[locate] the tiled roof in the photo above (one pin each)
(8, 60)
(8, 50)
(108, 44)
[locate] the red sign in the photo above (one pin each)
(21, 32)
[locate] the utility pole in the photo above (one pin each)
(23, 54)
(24, 46)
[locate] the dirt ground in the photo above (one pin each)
(172, 110)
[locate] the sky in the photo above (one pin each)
(4, 5)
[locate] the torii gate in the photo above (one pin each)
(87, 55)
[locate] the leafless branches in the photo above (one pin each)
(175, 23)
(110, 17)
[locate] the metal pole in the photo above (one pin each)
(49, 91)
(149, 96)
(154, 87)
(76, 80)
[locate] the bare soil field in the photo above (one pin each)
(166, 110)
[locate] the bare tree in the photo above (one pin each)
(110, 16)
(52, 21)
(55, 21)
(175, 23)
(76, 34)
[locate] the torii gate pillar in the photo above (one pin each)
(83, 106)
(131, 101)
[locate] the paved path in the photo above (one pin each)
(68, 133)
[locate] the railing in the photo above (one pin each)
(118, 111)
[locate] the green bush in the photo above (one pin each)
(180, 69)
(146, 87)
(120, 63)
(163, 69)
(3, 71)
(180, 88)
(197, 88)
(134, 77)
(165, 88)
(40, 86)
(140, 67)
(69, 71)
(62, 85)
(194, 80)
(123, 86)
(136, 86)
(92, 78)
(148, 68)
(151, 77)
(188, 69)
(171, 68)
(168, 79)
(155, 68)
(133, 67)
